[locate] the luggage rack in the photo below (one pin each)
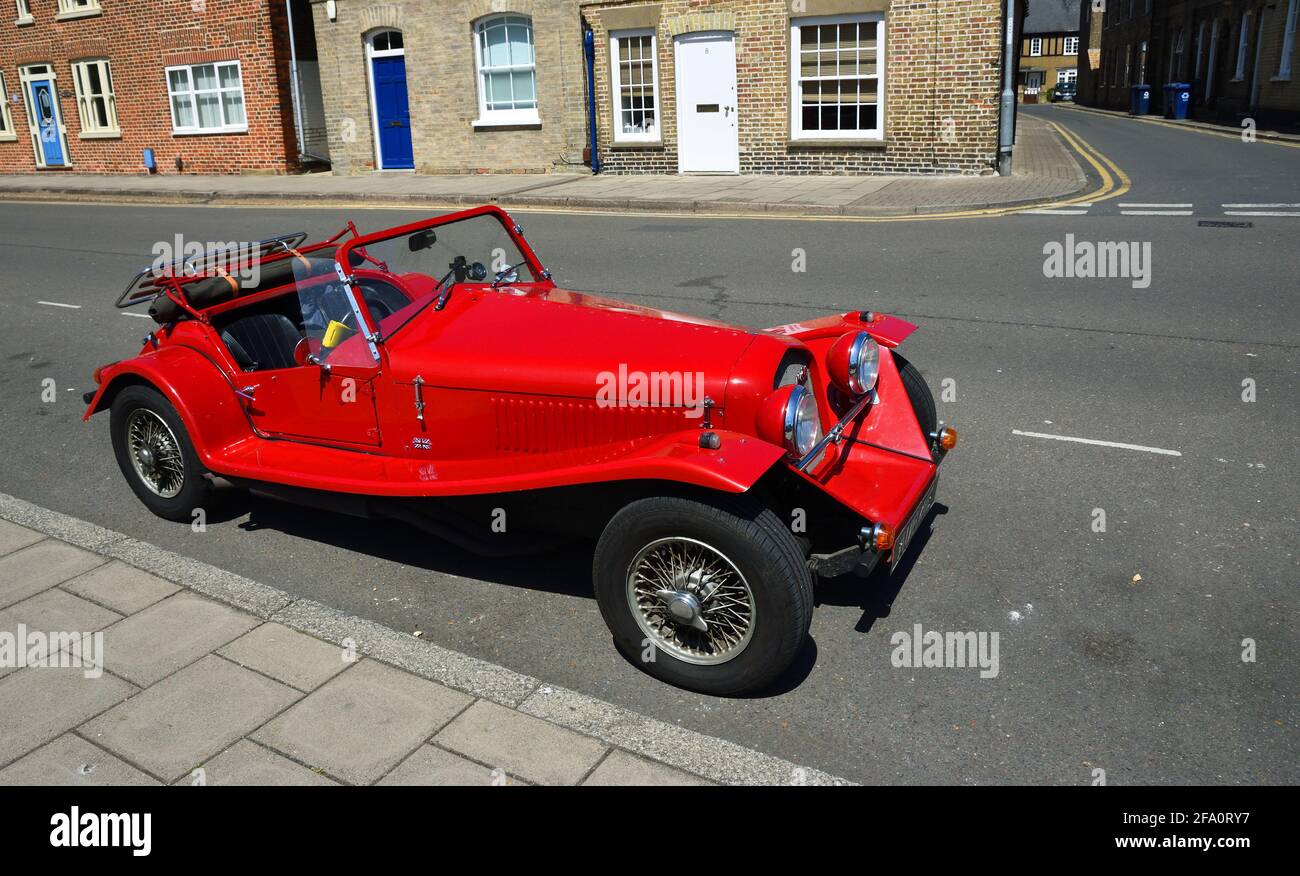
(170, 279)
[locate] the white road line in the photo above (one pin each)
(1056, 212)
(1263, 206)
(1118, 444)
(1155, 212)
(57, 304)
(1161, 206)
(1259, 213)
(139, 315)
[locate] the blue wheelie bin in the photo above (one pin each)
(1178, 100)
(1139, 100)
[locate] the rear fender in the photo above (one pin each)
(193, 384)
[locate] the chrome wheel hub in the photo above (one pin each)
(155, 453)
(690, 600)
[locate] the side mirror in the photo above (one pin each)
(477, 272)
(422, 240)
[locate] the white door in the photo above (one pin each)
(708, 139)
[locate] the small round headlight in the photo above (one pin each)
(802, 426)
(854, 363)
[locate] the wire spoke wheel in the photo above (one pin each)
(155, 453)
(691, 600)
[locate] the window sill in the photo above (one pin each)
(100, 135)
(78, 13)
(210, 132)
(656, 143)
(845, 143)
(489, 124)
(1280, 78)
(24, 21)
(8, 138)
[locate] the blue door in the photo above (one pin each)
(393, 113)
(47, 122)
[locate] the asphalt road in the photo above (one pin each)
(1119, 650)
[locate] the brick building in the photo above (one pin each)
(816, 86)
(1049, 48)
(88, 85)
(1240, 56)
(452, 86)
(726, 86)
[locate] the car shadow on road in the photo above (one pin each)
(565, 569)
(875, 594)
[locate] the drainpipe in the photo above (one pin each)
(589, 49)
(293, 82)
(1007, 116)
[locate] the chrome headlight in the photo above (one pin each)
(802, 427)
(854, 363)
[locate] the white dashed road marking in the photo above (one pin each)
(57, 304)
(1121, 445)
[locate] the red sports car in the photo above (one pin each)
(434, 373)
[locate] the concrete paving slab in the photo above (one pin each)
(123, 588)
(360, 724)
(40, 566)
(40, 704)
(170, 634)
(188, 717)
(71, 761)
(54, 610)
(247, 763)
(287, 655)
(621, 768)
(430, 765)
(534, 749)
(14, 537)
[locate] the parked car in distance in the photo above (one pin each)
(396, 375)
(1064, 91)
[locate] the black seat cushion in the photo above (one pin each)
(262, 341)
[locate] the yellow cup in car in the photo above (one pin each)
(335, 334)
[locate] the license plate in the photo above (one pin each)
(919, 513)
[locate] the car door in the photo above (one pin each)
(320, 385)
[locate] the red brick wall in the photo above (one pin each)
(140, 38)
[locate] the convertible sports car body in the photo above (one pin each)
(395, 375)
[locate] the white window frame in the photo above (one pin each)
(1243, 41)
(1067, 74)
(77, 9)
(499, 117)
(1200, 51)
(1288, 42)
(1071, 41)
(1176, 50)
(90, 128)
(796, 110)
(195, 129)
(1035, 47)
(24, 12)
(616, 83)
(7, 132)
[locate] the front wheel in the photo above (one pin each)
(155, 454)
(715, 597)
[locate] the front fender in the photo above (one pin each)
(889, 331)
(194, 385)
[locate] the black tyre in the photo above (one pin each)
(918, 391)
(715, 597)
(155, 454)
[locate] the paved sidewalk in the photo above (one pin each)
(1194, 124)
(211, 678)
(1045, 171)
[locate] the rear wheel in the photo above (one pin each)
(918, 392)
(714, 597)
(155, 454)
